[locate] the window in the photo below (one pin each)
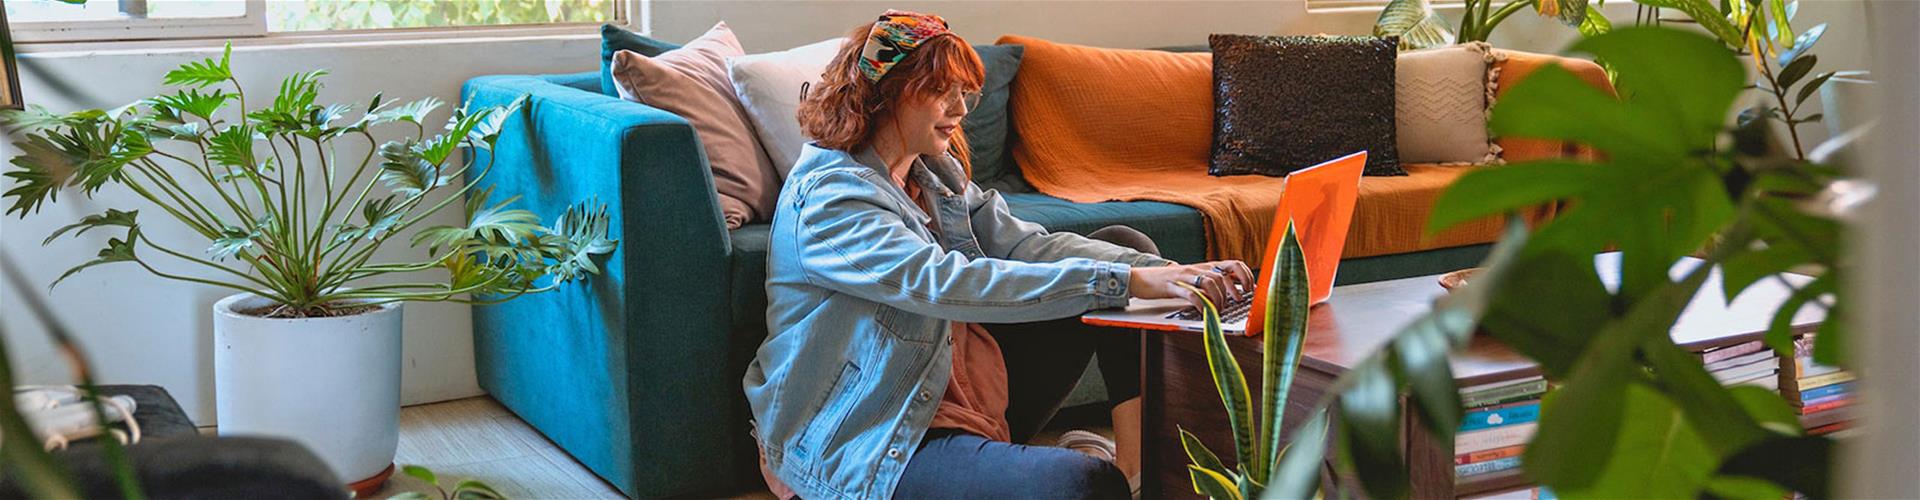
(77, 20)
(329, 15)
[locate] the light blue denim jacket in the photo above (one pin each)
(860, 300)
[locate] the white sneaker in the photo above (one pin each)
(1097, 446)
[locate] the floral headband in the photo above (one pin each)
(895, 35)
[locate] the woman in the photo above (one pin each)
(917, 329)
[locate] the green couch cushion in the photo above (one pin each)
(989, 126)
(1176, 229)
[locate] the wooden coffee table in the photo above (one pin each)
(1358, 320)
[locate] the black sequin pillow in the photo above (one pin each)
(1284, 103)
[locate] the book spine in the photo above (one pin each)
(1824, 380)
(1475, 469)
(1518, 413)
(1503, 394)
(1809, 368)
(1732, 351)
(1826, 405)
(1810, 395)
(1489, 455)
(1498, 437)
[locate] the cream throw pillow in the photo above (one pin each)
(1441, 97)
(768, 85)
(692, 82)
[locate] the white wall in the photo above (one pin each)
(144, 330)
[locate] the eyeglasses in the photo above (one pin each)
(970, 100)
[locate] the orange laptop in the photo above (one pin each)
(1319, 200)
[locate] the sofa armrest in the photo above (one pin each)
(625, 371)
(1515, 66)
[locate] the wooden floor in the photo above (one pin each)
(476, 438)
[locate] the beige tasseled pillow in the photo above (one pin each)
(692, 82)
(1441, 100)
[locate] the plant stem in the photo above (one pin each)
(156, 246)
(1501, 15)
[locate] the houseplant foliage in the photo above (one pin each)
(284, 215)
(1256, 436)
(1420, 27)
(1633, 414)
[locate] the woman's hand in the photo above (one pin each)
(1219, 280)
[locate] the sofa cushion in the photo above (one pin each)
(1175, 229)
(692, 82)
(613, 39)
(988, 127)
(1284, 103)
(1440, 104)
(1075, 105)
(769, 85)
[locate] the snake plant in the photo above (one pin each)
(1256, 436)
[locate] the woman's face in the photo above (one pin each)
(926, 125)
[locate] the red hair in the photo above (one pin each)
(838, 112)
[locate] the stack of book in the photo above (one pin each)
(1750, 363)
(1500, 419)
(1822, 394)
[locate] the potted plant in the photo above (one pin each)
(309, 345)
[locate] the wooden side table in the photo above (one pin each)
(1179, 391)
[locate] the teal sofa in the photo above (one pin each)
(636, 372)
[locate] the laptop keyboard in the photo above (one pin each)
(1236, 310)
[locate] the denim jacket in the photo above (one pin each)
(860, 298)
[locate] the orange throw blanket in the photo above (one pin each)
(1095, 124)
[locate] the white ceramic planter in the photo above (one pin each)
(331, 384)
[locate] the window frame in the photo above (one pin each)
(253, 26)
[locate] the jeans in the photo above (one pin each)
(1044, 362)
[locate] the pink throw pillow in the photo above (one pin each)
(692, 82)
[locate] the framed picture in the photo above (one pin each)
(10, 85)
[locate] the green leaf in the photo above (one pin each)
(1684, 87)
(233, 147)
(487, 132)
(1801, 463)
(1782, 24)
(1831, 349)
(1568, 12)
(1212, 484)
(117, 250)
(192, 102)
(413, 112)
(1802, 44)
(1721, 421)
(1489, 191)
(1581, 423)
(1547, 309)
(459, 126)
(1795, 71)
(1767, 408)
(45, 167)
(1552, 103)
(1423, 362)
(1231, 384)
(1370, 414)
(1201, 457)
(411, 495)
(1298, 472)
(110, 218)
(476, 490)
(1743, 269)
(1705, 13)
(585, 232)
(406, 170)
(1415, 22)
(1285, 331)
(232, 241)
(1780, 330)
(1656, 455)
(423, 473)
(1743, 487)
(203, 73)
(1595, 23)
